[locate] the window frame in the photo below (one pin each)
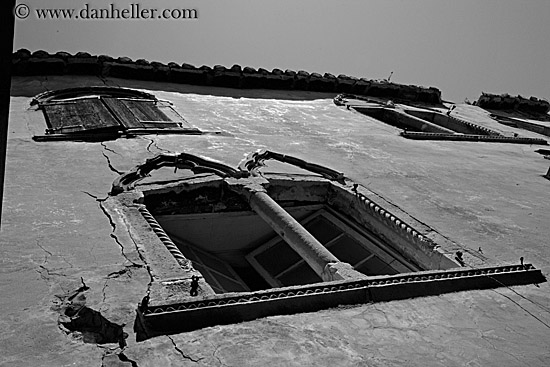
(368, 241)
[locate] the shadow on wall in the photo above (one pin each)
(29, 86)
(94, 327)
(85, 323)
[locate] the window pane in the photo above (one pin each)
(278, 258)
(302, 274)
(375, 266)
(214, 263)
(348, 250)
(322, 229)
(229, 285)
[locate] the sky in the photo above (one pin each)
(462, 47)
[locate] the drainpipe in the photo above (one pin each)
(321, 260)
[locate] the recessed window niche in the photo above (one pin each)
(236, 245)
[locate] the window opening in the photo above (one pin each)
(422, 123)
(341, 214)
(222, 221)
(239, 251)
(225, 239)
(217, 272)
(282, 266)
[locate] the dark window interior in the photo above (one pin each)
(238, 252)
(281, 266)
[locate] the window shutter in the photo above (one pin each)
(78, 115)
(99, 113)
(139, 113)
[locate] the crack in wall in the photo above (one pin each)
(140, 254)
(113, 169)
(486, 339)
(146, 265)
(86, 324)
(46, 251)
(95, 197)
(152, 142)
(124, 358)
(109, 149)
(523, 308)
(185, 356)
(103, 360)
(148, 147)
(139, 329)
(114, 236)
(389, 325)
(50, 254)
(127, 270)
(218, 358)
(49, 274)
(104, 294)
(113, 359)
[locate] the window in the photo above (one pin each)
(79, 115)
(421, 123)
(218, 273)
(98, 113)
(238, 251)
(248, 270)
(281, 266)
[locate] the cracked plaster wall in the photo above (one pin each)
(56, 236)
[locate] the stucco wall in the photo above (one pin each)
(56, 237)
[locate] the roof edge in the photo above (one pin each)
(25, 62)
(517, 103)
